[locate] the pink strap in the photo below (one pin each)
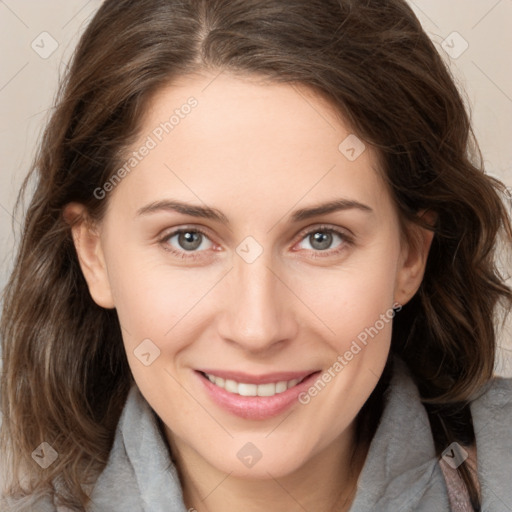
(457, 492)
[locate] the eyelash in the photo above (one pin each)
(347, 240)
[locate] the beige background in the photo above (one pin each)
(480, 59)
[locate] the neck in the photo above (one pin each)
(326, 483)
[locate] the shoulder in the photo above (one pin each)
(494, 398)
(492, 417)
(492, 409)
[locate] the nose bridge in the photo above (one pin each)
(256, 315)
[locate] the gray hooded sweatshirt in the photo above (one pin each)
(401, 472)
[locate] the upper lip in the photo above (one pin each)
(257, 379)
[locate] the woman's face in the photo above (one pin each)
(264, 286)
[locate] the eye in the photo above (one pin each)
(192, 242)
(323, 238)
(186, 240)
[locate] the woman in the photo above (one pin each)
(257, 272)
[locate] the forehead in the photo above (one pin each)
(251, 141)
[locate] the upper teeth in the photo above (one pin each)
(244, 389)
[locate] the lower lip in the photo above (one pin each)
(256, 407)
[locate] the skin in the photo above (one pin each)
(257, 152)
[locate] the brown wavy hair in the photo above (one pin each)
(66, 375)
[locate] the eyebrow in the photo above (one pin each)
(216, 215)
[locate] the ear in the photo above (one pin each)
(90, 254)
(415, 250)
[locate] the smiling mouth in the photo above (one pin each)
(247, 389)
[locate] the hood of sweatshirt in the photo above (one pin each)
(401, 472)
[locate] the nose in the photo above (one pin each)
(257, 308)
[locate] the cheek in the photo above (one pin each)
(352, 297)
(150, 296)
(357, 307)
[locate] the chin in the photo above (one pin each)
(251, 462)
